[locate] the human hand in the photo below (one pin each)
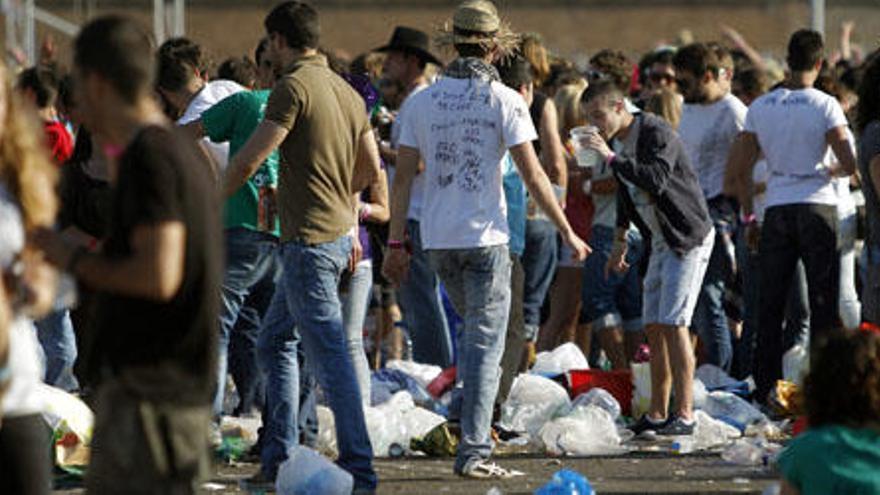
(617, 260)
(396, 265)
(357, 252)
(594, 141)
(53, 246)
(580, 249)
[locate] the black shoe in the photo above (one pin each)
(646, 426)
(677, 427)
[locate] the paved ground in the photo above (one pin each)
(633, 474)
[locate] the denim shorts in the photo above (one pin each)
(614, 301)
(672, 284)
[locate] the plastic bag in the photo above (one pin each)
(385, 383)
(600, 398)
(326, 443)
(732, 409)
(566, 482)
(641, 373)
(796, 364)
(564, 358)
(751, 452)
(439, 442)
(306, 472)
(533, 401)
(422, 373)
(71, 422)
(714, 378)
(710, 432)
(385, 423)
(417, 422)
(586, 430)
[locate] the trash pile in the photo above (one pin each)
(564, 408)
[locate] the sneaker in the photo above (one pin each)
(483, 469)
(646, 427)
(257, 483)
(677, 427)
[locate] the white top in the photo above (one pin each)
(708, 131)
(210, 95)
(462, 128)
(846, 203)
(791, 126)
(24, 356)
(759, 201)
(417, 191)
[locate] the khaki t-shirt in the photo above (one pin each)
(326, 118)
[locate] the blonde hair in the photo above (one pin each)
(665, 103)
(25, 167)
(568, 106)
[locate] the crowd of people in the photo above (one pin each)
(293, 220)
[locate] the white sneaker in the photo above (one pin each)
(481, 469)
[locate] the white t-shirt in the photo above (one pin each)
(463, 128)
(210, 95)
(24, 355)
(759, 200)
(417, 191)
(708, 131)
(790, 126)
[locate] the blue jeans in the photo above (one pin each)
(616, 300)
(422, 307)
(710, 319)
(310, 288)
(55, 333)
(252, 270)
(355, 303)
(539, 262)
(478, 283)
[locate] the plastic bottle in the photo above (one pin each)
(683, 445)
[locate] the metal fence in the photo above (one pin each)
(448, 3)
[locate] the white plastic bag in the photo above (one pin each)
(564, 358)
(796, 364)
(588, 430)
(306, 472)
(600, 398)
(385, 423)
(71, 422)
(533, 401)
(641, 376)
(710, 432)
(422, 373)
(327, 432)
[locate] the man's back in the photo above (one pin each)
(791, 127)
(326, 118)
(163, 178)
(462, 128)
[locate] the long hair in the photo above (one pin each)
(25, 167)
(868, 108)
(568, 106)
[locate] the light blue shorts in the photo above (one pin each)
(672, 284)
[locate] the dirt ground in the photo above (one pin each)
(568, 30)
(633, 474)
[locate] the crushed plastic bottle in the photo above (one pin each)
(751, 452)
(588, 430)
(533, 401)
(598, 397)
(306, 472)
(567, 482)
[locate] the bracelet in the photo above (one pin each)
(364, 212)
(75, 258)
(610, 159)
(395, 244)
(749, 219)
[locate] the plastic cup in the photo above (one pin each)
(586, 157)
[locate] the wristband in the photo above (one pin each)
(610, 158)
(364, 212)
(749, 219)
(394, 244)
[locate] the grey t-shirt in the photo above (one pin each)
(869, 147)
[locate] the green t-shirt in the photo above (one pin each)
(234, 119)
(833, 460)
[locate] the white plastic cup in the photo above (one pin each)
(586, 157)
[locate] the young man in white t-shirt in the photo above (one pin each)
(710, 121)
(794, 126)
(462, 126)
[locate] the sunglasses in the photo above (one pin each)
(662, 77)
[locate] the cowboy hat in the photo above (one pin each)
(411, 41)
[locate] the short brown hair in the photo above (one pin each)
(615, 65)
(843, 386)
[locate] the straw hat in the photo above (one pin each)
(477, 22)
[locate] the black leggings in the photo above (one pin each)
(25, 460)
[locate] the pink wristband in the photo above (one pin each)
(610, 159)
